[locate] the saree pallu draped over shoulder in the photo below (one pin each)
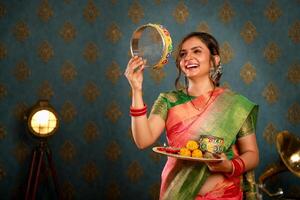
(222, 116)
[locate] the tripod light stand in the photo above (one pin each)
(42, 122)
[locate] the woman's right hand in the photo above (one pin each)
(134, 72)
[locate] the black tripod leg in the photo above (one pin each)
(32, 166)
(38, 172)
(54, 174)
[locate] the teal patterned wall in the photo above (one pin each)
(74, 53)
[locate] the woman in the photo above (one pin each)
(202, 107)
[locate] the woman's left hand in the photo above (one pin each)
(220, 166)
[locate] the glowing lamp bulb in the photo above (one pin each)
(43, 122)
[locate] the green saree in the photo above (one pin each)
(226, 114)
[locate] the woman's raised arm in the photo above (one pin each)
(145, 131)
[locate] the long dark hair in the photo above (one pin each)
(211, 43)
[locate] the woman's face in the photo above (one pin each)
(195, 58)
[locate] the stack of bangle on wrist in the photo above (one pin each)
(238, 167)
(134, 112)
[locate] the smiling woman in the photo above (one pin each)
(199, 51)
(200, 108)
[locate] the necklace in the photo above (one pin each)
(205, 105)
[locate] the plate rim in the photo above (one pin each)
(155, 149)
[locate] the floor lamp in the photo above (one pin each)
(42, 122)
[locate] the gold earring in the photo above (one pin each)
(215, 74)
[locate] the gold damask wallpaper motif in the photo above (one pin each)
(3, 51)
(272, 52)
(135, 12)
(113, 151)
(273, 11)
(113, 191)
(294, 113)
(113, 72)
(68, 111)
(69, 191)
(271, 93)
(294, 32)
(2, 132)
(270, 133)
(249, 32)
(248, 73)
(74, 54)
(68, 32)
(113, 112)
(135, 171)
(45, 11)
(45, 51)
(21, 31)
(226, 13)
(2, 10)
(3, 91)
(181, 13)
(21, 152)
(154, 190)
(293, 74)
(22, 71)
(90, 172)
(114, 1)
(20, 110)
(2, 172)
(91, 52)
(91, 12)
(91, 92)
(91, 132)
(45, 91)
(68, 71)
(227, 53)
(113, 33)
(203, 27)
(68, 151)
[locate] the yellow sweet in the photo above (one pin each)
(185, 152)
(197, 153)
(192, 145)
